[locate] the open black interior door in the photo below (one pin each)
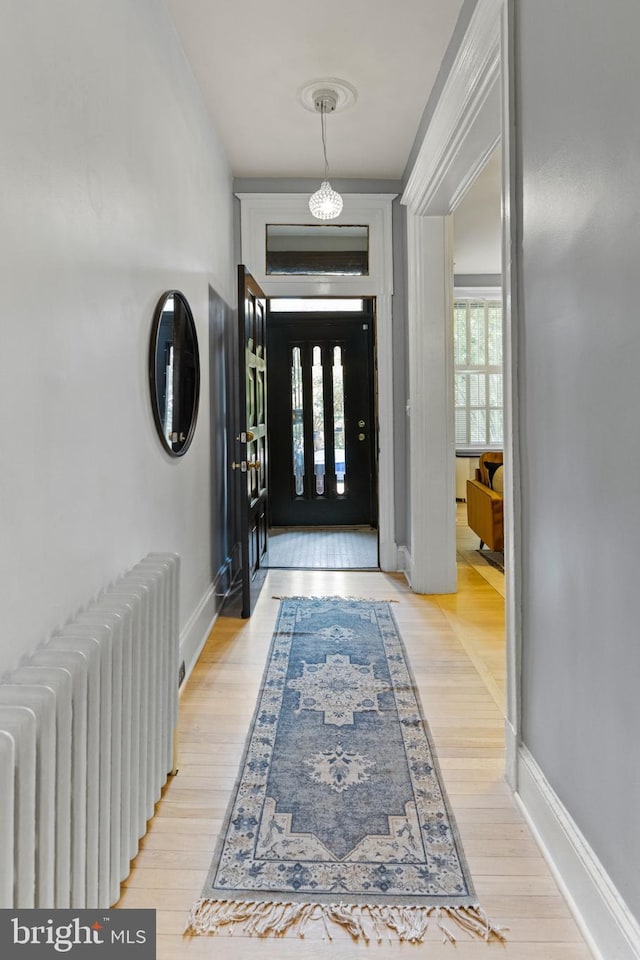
(250, 462)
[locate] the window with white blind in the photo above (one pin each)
(477, 339)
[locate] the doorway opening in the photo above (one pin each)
(323, 504)
(477, 331)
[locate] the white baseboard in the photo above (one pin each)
(611, 932)
(405, 563)
(198, 627)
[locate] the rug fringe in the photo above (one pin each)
(274, 918)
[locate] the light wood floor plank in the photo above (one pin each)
(225, 948)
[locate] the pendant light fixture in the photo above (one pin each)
(325, 203)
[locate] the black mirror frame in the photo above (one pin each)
(153, 383)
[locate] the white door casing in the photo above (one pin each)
(374, 211)
(472, 115)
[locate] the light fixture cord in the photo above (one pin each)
(324, 139)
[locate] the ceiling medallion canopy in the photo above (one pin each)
(345, 93)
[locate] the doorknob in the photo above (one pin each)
(254, 465)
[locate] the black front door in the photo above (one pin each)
(251, 465)
(321, 420)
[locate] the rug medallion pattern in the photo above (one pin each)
(339, 799)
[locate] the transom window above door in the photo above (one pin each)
(313, 305)
(310, 250)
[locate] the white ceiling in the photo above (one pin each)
(251, 57)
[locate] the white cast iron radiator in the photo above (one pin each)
(86, 743)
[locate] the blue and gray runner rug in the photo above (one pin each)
(339, 813)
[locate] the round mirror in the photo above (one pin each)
(174, 372)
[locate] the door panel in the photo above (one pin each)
(251, 460)
(322, 427)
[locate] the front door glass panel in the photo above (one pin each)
(339, 444)
(317, 383)
(297, 417)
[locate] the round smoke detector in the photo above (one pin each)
(336, 95)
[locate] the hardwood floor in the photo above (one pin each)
(456, 648)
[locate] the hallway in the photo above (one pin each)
(455, 647)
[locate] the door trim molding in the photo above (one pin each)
(432, 502)
(374, 211)
(387, 548)
(474, 112)
(464, 130)
(462, 133)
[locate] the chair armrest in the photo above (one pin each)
(485, 513)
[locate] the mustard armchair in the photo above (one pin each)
(485, 513)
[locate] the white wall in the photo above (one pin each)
(477, 223)
(465, 470)
(578, 127)
(114, 188)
